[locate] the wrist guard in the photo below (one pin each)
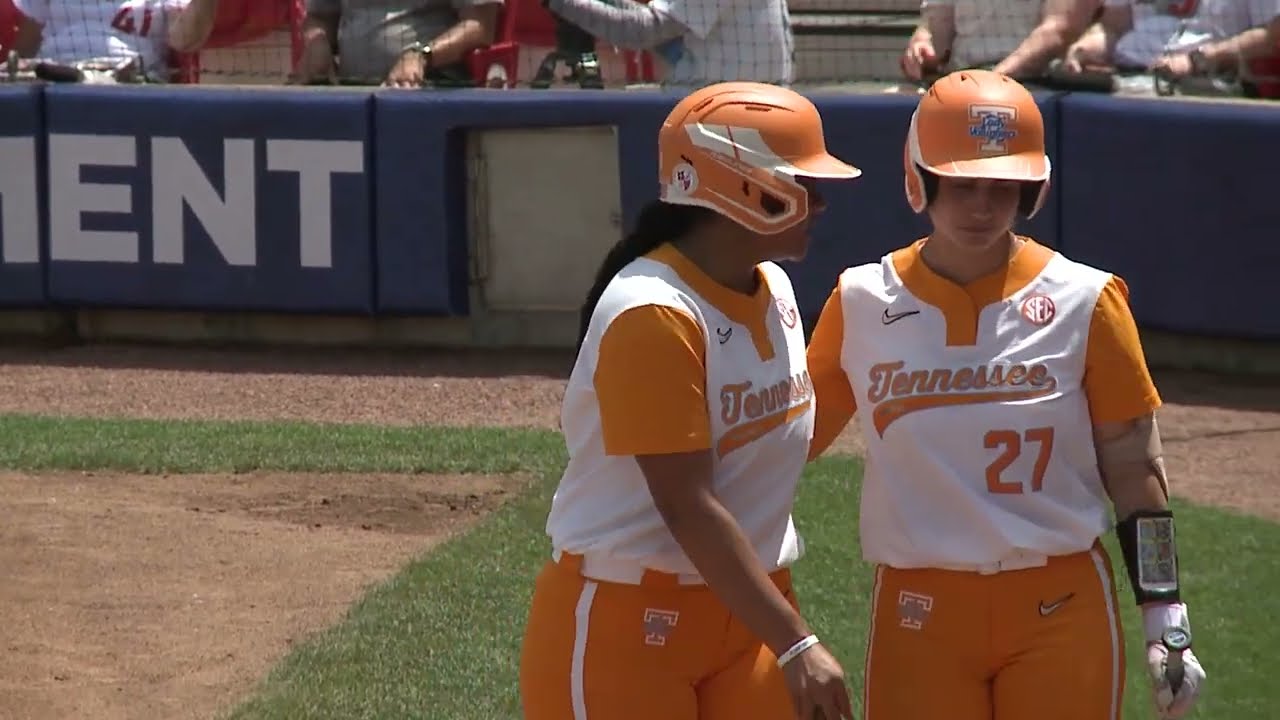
(1150, 555)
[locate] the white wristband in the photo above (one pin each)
(791, 653)
(1156, 618)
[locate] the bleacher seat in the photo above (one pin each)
(503, 53)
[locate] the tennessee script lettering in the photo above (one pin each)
(896, 392)
(751, 413)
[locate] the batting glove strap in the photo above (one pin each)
(1158, 617)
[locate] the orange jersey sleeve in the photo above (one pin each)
(1116, 379)
(650, 383)
(834, 403)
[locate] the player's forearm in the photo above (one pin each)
(464, 36)
(1110, 38)
(1091, 47)
(720, 551)
(1226, 54)
(190, 29)
(1114, 25)
(938, 28)
(1134, 487)
(827, 426)
(623, 23)
(1130, 457)
(1097, 45)
(1046, 42)
(1139, 493)
(834, 405)
(1131, 462)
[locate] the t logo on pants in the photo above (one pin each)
(913, 609)
(658, 625)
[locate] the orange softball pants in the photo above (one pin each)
(1043, 643)
(649, 650)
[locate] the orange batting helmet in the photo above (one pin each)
(737, 147)
(977, 124)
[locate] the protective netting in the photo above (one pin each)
(855, 44)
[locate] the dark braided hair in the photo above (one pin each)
(659, 222)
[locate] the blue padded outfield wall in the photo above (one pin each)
(21, 196)
(353, 202)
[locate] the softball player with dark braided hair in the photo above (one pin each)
(1007, 411)
(688, 416)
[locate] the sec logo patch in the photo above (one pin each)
(1039, 309)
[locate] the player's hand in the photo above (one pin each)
(1075, 59)
(919, 58)
(817, 686)
(1171, 703)
(1177, 65)
(408, 72)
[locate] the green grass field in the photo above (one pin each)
(441, 639)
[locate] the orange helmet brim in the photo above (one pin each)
(1025, 167)
(822, 165)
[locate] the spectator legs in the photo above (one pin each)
(576, 48)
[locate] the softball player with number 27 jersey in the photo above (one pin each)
(1005, 404)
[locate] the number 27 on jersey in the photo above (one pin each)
(1012, 444)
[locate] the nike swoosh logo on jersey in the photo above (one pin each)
(1046, 610)
(891, 319)
(724, 334)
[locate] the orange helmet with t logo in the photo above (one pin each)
(737, 147)
(977, 124)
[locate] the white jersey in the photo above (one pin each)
(761, 422)
(729, 40)
(975, 452)
(987, 31)
(76, 30)
(1200, 22)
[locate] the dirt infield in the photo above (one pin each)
(168, 596)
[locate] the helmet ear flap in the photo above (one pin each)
(762, 204)
(914, 183)
(1033, 198)
(782, 203)
(756, 199)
